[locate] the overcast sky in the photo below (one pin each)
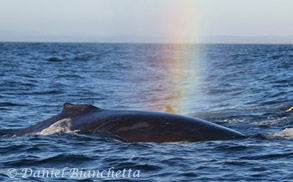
(147, 20)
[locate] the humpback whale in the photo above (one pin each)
(131, 125)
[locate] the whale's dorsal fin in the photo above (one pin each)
(169, 109)
(72, 108)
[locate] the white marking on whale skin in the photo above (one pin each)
(135, 126)
(62, 126)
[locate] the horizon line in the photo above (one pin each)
(118, 42)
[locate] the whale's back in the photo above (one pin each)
(131, 126)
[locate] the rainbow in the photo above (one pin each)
(182, 30)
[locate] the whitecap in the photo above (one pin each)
(285, 134)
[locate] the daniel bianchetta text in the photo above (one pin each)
(67, 172)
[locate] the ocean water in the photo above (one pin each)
(248, 88)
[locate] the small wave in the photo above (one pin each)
(285, 134)
(54, 59)
(10, 104)
(268, 156)
(234, 120)
(84, 57)
(290, 109)
(273, 108)
(79, 158)
(69, 76)
(232, 148)
(56, 159)
(272, 121)
(48, 92)
(281, 81)
(220, 91)
(276, 57)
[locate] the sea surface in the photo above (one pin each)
(248, 88)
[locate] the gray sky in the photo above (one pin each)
(147, 20)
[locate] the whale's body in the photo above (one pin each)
(131, 125)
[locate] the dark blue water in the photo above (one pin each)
(245, 87)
